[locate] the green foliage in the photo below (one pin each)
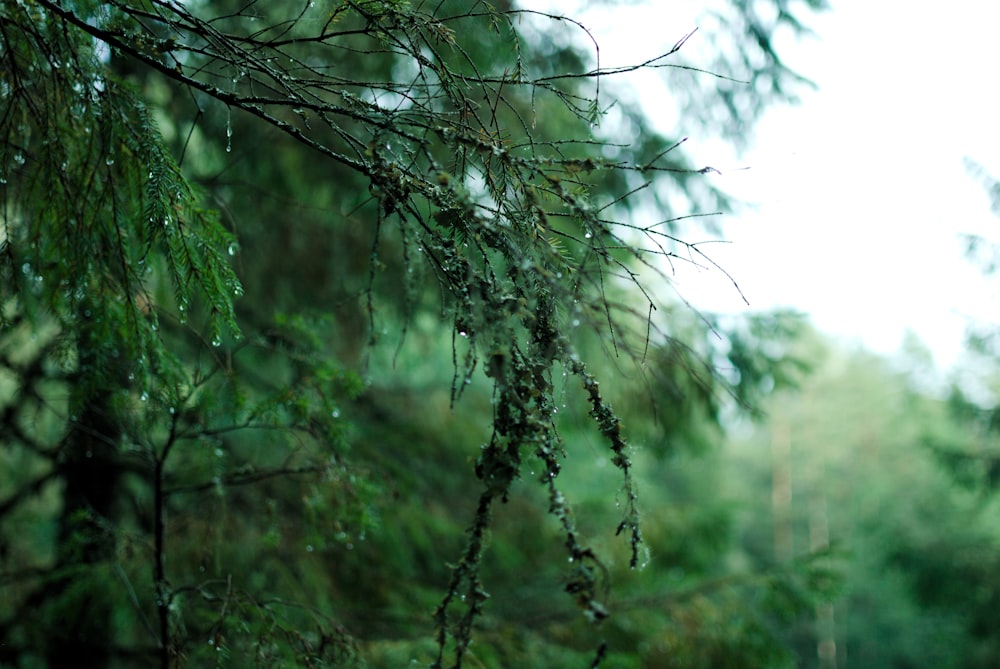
(747, 57)
(865, 444)
(89, 162)
(269, 482)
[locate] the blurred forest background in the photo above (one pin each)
(342, 334)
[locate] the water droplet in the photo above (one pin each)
(335, 413)
(232, 248)
(463, 333)
(144, 396)
(309, 548)
(109, 161)
(216, 342)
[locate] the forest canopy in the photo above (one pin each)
(329, 329)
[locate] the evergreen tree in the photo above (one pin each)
(852, 459)
(400, 184)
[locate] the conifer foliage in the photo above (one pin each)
(132, 385)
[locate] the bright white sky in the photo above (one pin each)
(860, 192)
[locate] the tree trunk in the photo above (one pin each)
(79, 601)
